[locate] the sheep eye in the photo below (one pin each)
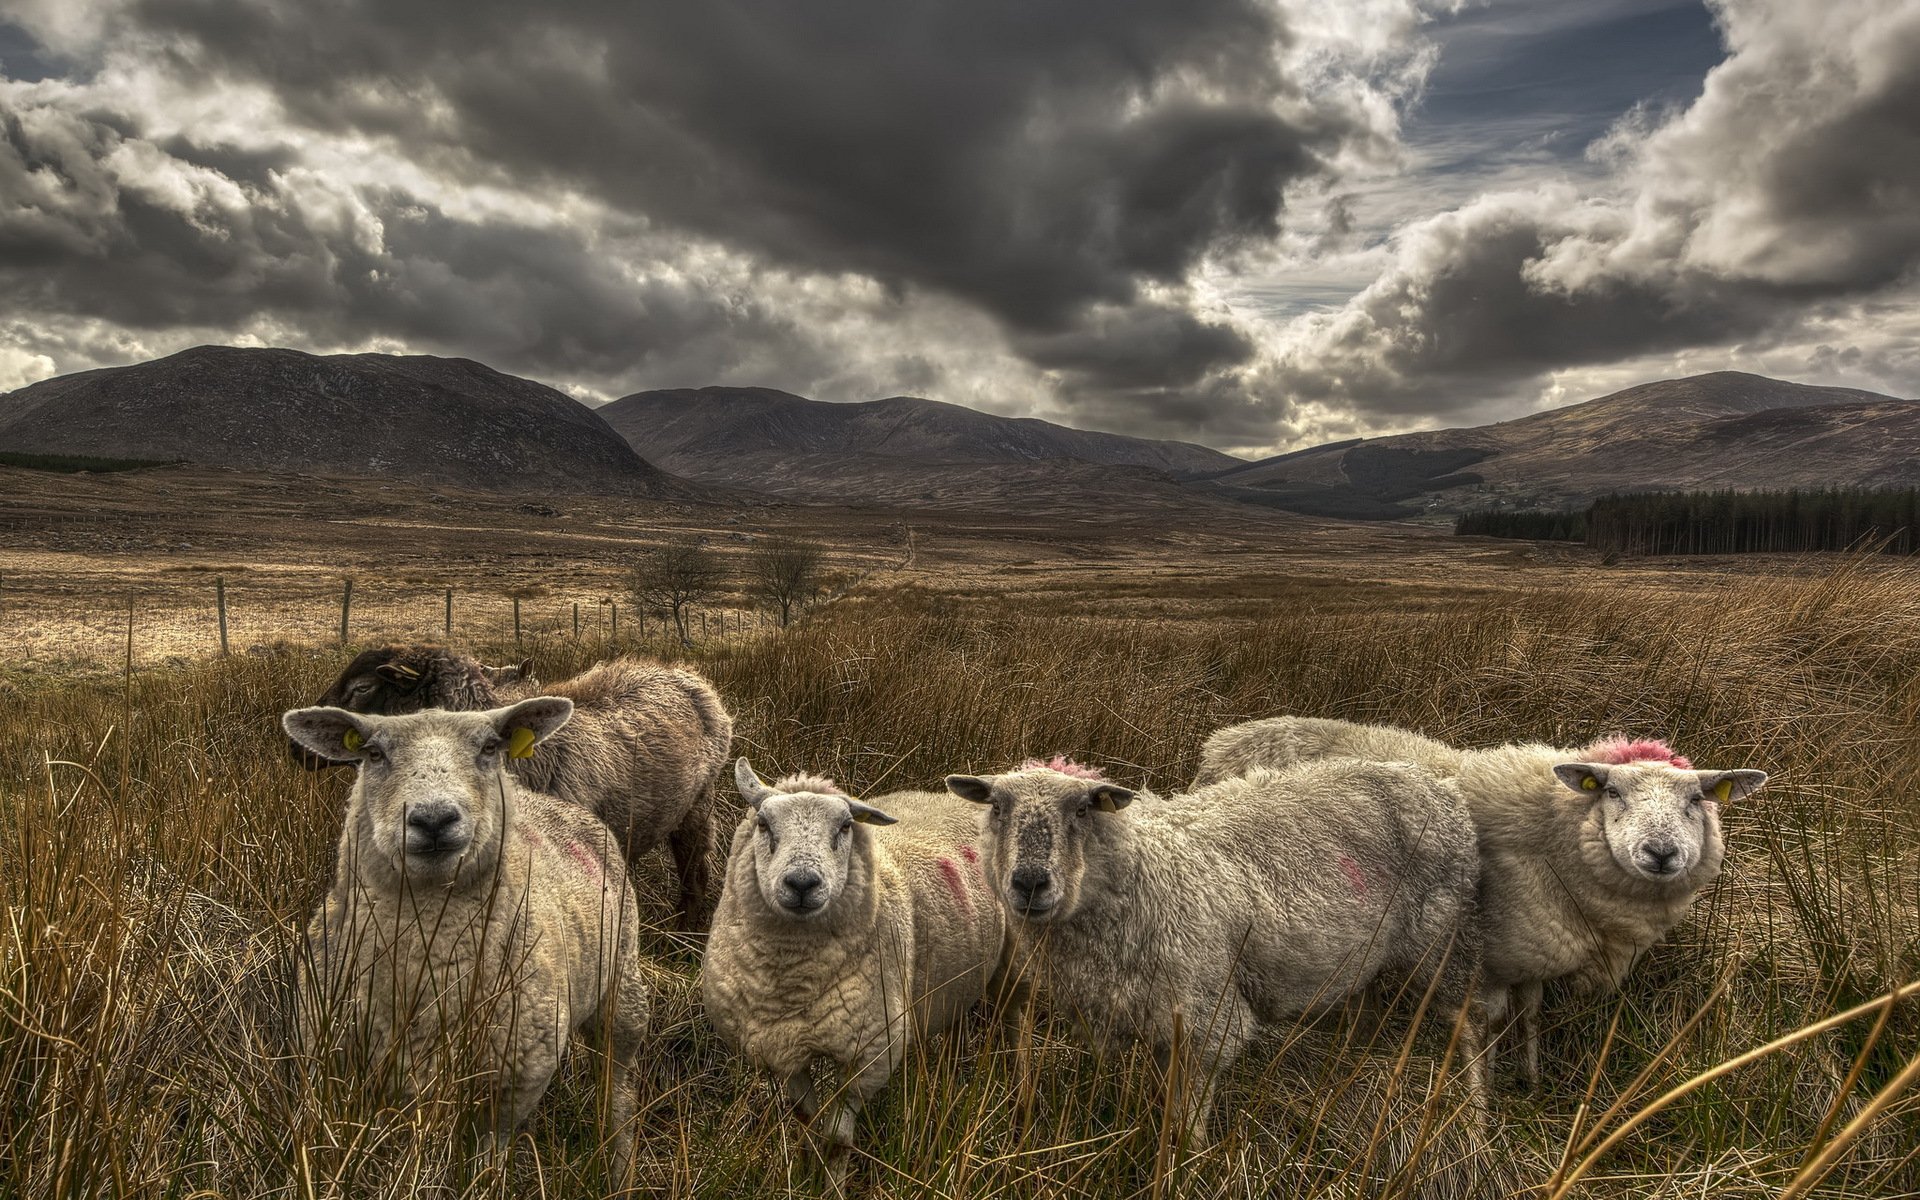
(374, 754)
(846, 825)
(490, 747)
(1082, 811)
(1613, 793)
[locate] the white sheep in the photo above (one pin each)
(644, 750)
(472, 924)
(846, 932)
(1588, 856)
(1244, 904)
(1279, 742)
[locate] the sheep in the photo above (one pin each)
(512, 681)
(847, 931)
(643, 752)
(1573, 889)
(467, 910)
(1282, 741)
(1254, 900)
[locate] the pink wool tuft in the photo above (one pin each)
(1620, 751)
(1064, 765)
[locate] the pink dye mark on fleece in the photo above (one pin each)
(585, 858)
(1619, 751)
(950, 875)
(970, 854)
(1064, 765)
(1355, 878)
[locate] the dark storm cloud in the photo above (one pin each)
(1144, 346)
(99, 225)
(1038, 160)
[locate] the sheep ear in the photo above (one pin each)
(751, 789)
(333, 733)
(867, 814)
(1585, 778)
(971, 787)
(525, 668)
(398, 673)
(530, 722)
(1110, 797)
(1726, 786)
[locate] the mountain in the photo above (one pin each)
(416, 417)
(899, 450)
(1724, 430)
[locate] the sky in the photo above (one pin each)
(1255, 224)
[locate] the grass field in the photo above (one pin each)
(159, 854)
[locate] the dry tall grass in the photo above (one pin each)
(159, 853)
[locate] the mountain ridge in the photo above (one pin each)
(421, 417)
(706, 432)
(1720, 429)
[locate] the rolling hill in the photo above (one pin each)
(416, 417)
(900, 450)
(1723, 430)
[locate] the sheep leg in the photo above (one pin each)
(1471, 1051)
(861, 1083)
(1528, 1002)
(623, 1101)
(1461, 996)
(691, 845)
(1501, 1018)
(801, 1094)
(1191, 1064)
(1195, 1091)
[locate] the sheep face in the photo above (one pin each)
(387, 680)
(1659, 823)
(432, 794)
(1033, 844)
(803, 840)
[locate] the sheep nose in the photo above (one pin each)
(1030, 884)
(800, 888)
(432, 820)
(1660, 855)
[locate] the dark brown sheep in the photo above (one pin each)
(643, 750)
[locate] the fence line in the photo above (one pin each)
(236, 616)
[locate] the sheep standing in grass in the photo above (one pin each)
(469, 917)
(643, 751)
(1243, 904)
(1280, 742)
(846, 932)
(1588, 856)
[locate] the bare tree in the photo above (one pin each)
(784, 569)
(671, 578)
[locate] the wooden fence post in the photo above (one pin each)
(576, 620)
(447, 623)
(220, 601)
(516, 620)
(346, 609)
(703, 626)
(616, 624)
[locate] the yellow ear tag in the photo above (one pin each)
(520, 743)
(351, 739)
(1723, 790)
(1590, 784)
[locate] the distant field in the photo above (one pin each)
(158, 854)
